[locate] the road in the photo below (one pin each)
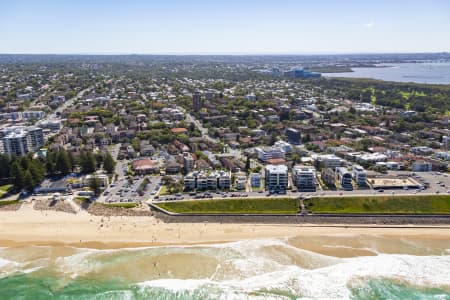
(68, 103)
(204, 131)
(432, 177)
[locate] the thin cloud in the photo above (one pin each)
(370, 24)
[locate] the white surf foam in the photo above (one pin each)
(176, 284)
(329, 282)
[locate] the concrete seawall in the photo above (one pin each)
(367, 219)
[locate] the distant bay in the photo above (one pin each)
(426, 72)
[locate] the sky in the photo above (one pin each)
(224, 26)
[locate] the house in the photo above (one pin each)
(179, 130)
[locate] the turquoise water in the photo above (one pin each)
(30, 287)
(257, 269)
(432, 73)
(385, 289)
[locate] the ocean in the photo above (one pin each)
(431, 73)
(338, 267)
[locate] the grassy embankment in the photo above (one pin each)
(426, 204)
(237, 205)
(4, 189)
(2, 203)
(123, 205)
(423, 204)
(82, 200)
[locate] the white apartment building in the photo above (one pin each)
(276, 178)
(255, 180)
(202, 181)
(360, 175)
(285, 146)
(264, 154)
(19, 140)
(345, 178)
(304, 178)
(240, 182)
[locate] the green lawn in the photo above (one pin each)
(81, 199)
(164, 191)
(4, 189)
(2, 203)
(238, 205)
(123, 205)
(423, 204)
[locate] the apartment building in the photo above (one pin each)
(304, 178)
(276, 178)
(345, 178)
(19, 140)
(360, 175)
(198, 180)
(264, 154)
(328, 161)
(255, 180)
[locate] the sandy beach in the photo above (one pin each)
(28, 226)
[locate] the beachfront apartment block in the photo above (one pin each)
(199, 180)
(304, 178)
(255, 180)
(240, 181)
(345, 178)
(276, 178)
(360, 175)
(20, 140)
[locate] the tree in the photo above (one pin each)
(352, 110)
(37, 171)
(95, 185)
(17, 175)
(63, 163)
(72, 160)
(4, 165)
(87, 161)
(25, 162)
(247, 164)
(50, 167)
(109, 164)
(28, 182)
